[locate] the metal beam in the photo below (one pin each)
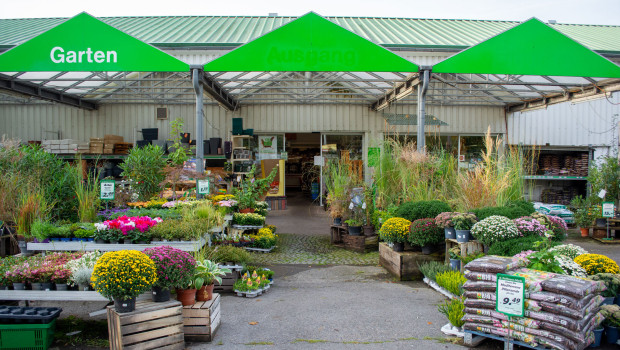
(217, 92)
(404, 88)
(30, 89)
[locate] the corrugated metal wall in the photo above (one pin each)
(566, 124)
(46, 121)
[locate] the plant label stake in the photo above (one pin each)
(510, 298)
(106, 191)
(202, 186)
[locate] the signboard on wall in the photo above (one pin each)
(268, 144)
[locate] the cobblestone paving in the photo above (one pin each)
(312, 250)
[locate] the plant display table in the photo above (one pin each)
(150, 326)
(53, 295)
(189, 246)
(202, 320)
(404, 265)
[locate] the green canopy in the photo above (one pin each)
(530, 48)
(310, 43)
(86, 44)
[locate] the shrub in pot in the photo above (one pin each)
(205, 276)
(421, 209)
(425, 233)
(175, 269)
(444, 220)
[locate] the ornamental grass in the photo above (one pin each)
(123, 274)
(596, 263)
(395, 230)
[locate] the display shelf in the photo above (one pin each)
(189, 246)
(549, 177)
(241, 159)
(53, 295)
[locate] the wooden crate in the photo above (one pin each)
(360, 244)
(404, 265)
(337, 232)
(471, 247)
(151, 326)
(201, 320)
(228, 281)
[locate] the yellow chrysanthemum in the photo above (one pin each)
(123, 274)
(596, 263)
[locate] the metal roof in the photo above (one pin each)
(174, 31)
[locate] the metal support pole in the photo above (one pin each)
(200, 169)
(425, 73)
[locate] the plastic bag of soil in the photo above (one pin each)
(542, 336)
(479, 295)
(533, 278)
(502, 332)
(480, 286)
(579, 337)
(493, 264)
(564, 300)
(556, 323)
(480, 276)
(479, 304)
(523, 321)
(572, 286)
(559, 309)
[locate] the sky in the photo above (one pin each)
(563, 11)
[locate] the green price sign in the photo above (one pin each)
(510, 295)
(202, 186)
(608, 209)
(106, 192)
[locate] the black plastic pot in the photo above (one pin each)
(355, 230)
(160, 295)
(185, 137)
(122, 306)
(150, 134)
(143, 143)
(206, 146)
(215, 143)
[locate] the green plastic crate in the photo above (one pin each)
(27, 336)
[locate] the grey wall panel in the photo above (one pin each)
(566, 124)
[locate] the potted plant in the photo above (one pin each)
(454, 310)
(175, 269)
(583, 214)
(612, 322)
(455, 258)
(425, 233)
(444, 220)
(493, 229)
(463, 222)
(60, 277)
(355, 225)
(207, 273)
(612, 282)
(251, 189)
(395, 231)
(122, 276)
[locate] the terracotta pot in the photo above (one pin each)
(186, 296)
(585, 232)
(246, 210)
(205, 293)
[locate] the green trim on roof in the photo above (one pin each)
(530, 48)
(86, 44)
(311, 44)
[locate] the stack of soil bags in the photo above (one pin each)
(560, 311)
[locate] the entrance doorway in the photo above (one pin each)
(302, 175)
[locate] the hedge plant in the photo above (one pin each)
(421, 209)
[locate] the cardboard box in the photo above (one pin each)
(112, 139)
(96, 139)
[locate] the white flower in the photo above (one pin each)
(100, 226)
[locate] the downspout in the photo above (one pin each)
(200, 169)
(425, 72)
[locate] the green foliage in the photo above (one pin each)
(180, 155)
(430, 269)
(144, 167)
(612, 282)
(165, 214)
(338, 181)
(42, 229)
(86, 191)
(605, 176)
(526, 206)
(471, 257)
(84, 230)
(252, 188)
(454, 310)
(584, 213)
(544, 259)
(228, 253)
(421, 209)
(511, 212)
(184, 230)
(452, 281)
(511, 247)
(249, 219)
(207, 272)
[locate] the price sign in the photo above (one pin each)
(510, 295)
(202, 186)
(608, 209)
(107, 190)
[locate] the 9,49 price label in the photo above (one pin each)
(510, 295)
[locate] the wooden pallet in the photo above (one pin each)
(202, 320)
(361, 244)
(473, 339)
(151, 326)
(337, 232)
(228, 281)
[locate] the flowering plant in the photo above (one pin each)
(222, 197)
(425, 232)
(175, 267)
(558, 225)
(493, 229)
(596, 263)
(125, 227)
(523, 256)
(153, 203)
(570, 267)
(530, 227)
(612, 314)
(445, 219)
(264, 239)
(612, 283)
(464, 221)
(123, 274)
(569, 250)
(395, 230)
(81, 269)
